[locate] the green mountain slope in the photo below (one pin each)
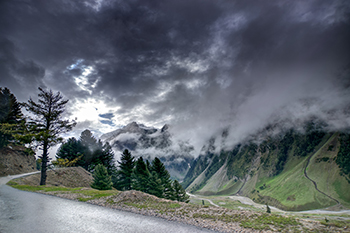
(292, 172)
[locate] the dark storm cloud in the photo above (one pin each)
(15, 73)
(202, 64)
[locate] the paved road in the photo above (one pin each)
(32, 212)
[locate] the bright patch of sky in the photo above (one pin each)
(84, 80)
(96, 5)
(195, 83)
(191, 64)
(93, 111)
(163, 89)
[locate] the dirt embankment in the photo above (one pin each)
(68, 177)
(14, 160)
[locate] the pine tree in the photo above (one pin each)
(155, 185)
(89, 142)
(179, 193)
(123, 179)
(158, 168)
(70, 150)
(12, 121)
(141, 176)
(102, 181)
(48, 124)
(10, 109)
(96, 154)
(107, 158)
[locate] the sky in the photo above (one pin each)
(201, 65)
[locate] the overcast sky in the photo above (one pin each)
(199, 65)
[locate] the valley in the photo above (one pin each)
(293, 170)
(310, 181)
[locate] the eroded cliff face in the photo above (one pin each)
(14, 160)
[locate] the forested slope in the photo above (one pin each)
(292, 171)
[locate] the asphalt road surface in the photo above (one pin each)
(22, 211)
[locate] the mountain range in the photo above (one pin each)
(292, 170)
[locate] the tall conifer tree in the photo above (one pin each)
(158, 169)
(179, 193)
(124, 174)
(141, 176)
(11, 118)
(107, 158)
(10, 109)
(155, 185)
(71, 149)
(48, 123)
(90, 144)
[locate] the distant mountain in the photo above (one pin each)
(298, 169)
(293, 170)
(150, 142)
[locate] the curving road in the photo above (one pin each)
(22, 211)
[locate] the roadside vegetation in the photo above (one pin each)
(216, 218)
(232, 215)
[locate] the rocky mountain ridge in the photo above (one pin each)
(150, 142)
(292, 169)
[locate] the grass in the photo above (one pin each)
(254, 221)
(292, 183)
(269, 222)
(336, 223)
(234, 205)
(95, 194)
(291, 190)
(40, 188)
(331, 183)
(87, 194)
(154, 205)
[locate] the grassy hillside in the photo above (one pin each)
(332, 183)
(281, 172)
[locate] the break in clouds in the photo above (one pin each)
(201, 66)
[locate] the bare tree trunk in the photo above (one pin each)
(44, 164)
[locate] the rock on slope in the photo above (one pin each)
(14, 160)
